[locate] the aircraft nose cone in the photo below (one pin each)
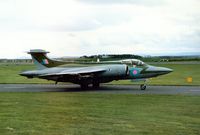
(167, 70)
(159, 70)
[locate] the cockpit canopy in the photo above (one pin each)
(134, 62)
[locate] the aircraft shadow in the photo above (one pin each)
(91, 89)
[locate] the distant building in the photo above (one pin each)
(16, 61)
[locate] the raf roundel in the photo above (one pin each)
(135, 72)
(45, 61)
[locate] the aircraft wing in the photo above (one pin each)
(76, 71)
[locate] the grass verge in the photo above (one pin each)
(98, 114)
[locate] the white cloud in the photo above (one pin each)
(137, 2)
(84, 27)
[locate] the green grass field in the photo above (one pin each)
(9, 74)
(80, 113)
(98, 114)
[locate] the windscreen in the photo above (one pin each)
(134, 62)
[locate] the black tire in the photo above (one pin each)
(84, 86)
(95, 85)
(143, 87)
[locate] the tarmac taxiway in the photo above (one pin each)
(115, 89)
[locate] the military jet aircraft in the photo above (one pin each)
(101, 72)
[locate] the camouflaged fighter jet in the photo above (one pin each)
(102, 72)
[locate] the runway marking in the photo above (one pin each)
(14, 87)
(195, 90)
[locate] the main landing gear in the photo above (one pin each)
(95, 85)
(86, 86)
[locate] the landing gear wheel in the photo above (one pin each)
(95, 85)
(84, 86)
(143, 87)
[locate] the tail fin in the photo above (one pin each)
(41, 60)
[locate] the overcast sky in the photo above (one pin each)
(86, 27)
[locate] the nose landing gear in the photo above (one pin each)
(143, 86)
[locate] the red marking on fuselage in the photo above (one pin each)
(134, 72)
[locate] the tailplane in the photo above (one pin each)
(41, 60)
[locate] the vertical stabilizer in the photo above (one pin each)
(41, 60)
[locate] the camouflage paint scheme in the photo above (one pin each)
(96, 73)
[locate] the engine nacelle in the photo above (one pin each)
(116, 71)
